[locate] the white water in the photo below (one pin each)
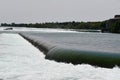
(17, 29)
(19, 60)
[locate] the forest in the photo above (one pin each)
(63, 25)
(115, 27)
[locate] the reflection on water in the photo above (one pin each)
(83, 41)
(21, 61)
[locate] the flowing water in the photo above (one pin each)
(104, 42)
(19, 60)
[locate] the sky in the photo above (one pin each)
(39, 11)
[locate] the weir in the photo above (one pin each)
(73, 55)
(44, 46)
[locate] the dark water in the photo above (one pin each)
(105, 42)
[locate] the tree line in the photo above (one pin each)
(114, 27)
(63, 25)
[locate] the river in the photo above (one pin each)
(19, 60)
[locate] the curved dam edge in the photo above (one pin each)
(74, 56)
(41, 44)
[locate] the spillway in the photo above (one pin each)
(77, 48)
(19, 60)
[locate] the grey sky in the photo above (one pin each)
(32, 11)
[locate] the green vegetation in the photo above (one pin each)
(63, 25)
(115, 27)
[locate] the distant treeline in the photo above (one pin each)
(63, 25)
(115, 27)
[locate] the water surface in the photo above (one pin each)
(19, 60)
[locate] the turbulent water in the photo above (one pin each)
(36, 30)
(19, 60)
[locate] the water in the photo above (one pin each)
(19, 60)
(103, 42)
(36, 30)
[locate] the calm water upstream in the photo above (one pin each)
(19, 60)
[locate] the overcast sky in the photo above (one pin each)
(32, 11)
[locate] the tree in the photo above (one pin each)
(115, 27)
